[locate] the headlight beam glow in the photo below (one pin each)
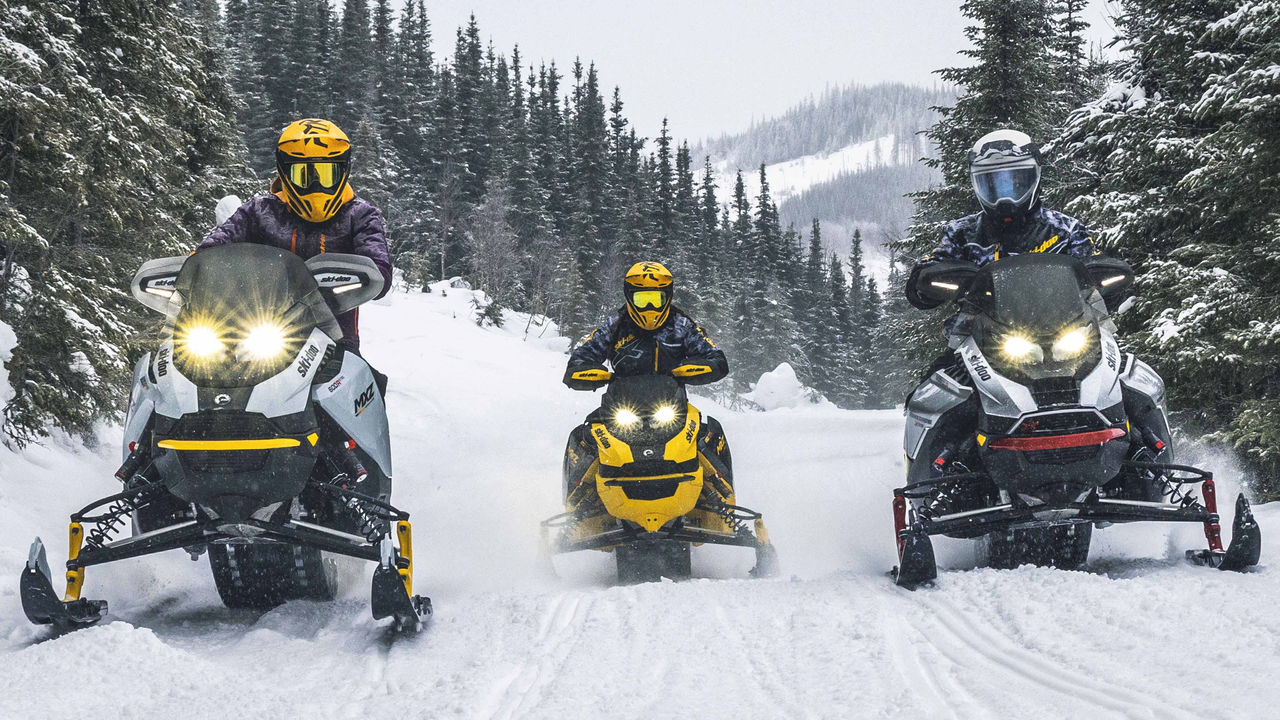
(1071, 343)
(1022, 350)
(665, 414)
(625, 417)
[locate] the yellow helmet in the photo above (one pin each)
(312, 160)
(648, 287)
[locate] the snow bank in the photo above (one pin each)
(7, 342)
(226, 207)
(780, 388)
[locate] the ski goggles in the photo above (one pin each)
(316, 176)
(648, 299)
(1014, 184)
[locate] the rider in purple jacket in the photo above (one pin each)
(312, 209)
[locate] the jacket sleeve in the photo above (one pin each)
(951, 248)
(369, 238)
(1080, 241)
(234, 229)
(699, 353)
(586, 369)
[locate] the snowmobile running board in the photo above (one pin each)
(917, 565)
(392, 591)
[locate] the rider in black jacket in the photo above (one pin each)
(648, 335)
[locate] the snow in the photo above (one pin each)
(225, 208)
(792, 177)
(479, 420)
(780, 388)
(7, 341)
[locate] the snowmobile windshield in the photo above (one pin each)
(645, 409)
(241, 312)
(1033, 316)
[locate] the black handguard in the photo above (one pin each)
(1113, 277)
(939, 282)
(587, 377)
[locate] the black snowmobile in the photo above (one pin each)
(1042, 429)
(250, 435)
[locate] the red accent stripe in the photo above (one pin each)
(293, 246)
(1058, 442)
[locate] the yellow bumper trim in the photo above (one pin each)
(263, 444)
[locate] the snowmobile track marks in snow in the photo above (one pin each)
(968, 635)
(936, 690)
(520, 690)
(764, 671)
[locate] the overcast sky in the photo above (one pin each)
(714, 65)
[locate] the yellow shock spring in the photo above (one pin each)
(75, 578)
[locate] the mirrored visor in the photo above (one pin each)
(648, 299)
(315, 175)
(1008, 184)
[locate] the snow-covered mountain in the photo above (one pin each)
(479, 420)
(847, 158)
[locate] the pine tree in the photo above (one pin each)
(1173, 161)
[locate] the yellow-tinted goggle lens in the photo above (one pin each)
(643, 299)
(327, 173)
(324, 174)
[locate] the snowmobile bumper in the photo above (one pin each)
(756, 537)
(392, 594)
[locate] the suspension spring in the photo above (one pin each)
(106, 524)
(372, 526)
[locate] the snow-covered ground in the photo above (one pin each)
(479, 418)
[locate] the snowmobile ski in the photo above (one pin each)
(1245, 549)
(916, 564)
(392, 593)
(43, 606)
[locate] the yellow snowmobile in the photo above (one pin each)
(645, 484)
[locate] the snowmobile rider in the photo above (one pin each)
(1004, 167)
(648, 335)
(311, 209)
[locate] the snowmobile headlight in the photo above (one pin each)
(201, 341)
(1020, 349)
(665, 414)
(1071, 343)
(625, 417)
(264, 342)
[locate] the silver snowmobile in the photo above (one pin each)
(1043, 429)
(250, 435)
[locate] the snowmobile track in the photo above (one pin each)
(966, 635)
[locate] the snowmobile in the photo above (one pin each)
(646, 486)
(1042, 429)
(251, 436)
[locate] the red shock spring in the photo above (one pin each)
(1212, 530)
(899, 521)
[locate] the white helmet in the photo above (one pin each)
(1004, 166)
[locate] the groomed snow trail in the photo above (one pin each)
(479, 419)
